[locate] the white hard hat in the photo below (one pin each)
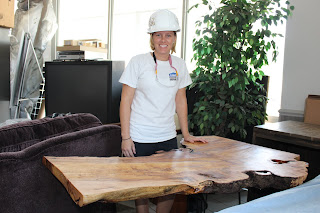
(163, 20)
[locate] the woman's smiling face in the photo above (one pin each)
(163, 41)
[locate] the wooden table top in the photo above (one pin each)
(220, 166)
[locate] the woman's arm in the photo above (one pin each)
(127, 145)
(182, 111)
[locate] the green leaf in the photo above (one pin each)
(224, 76)
(225, 17)
(246, 81)
(264, 23)
(206, 19)
(195, 110)
(202, 131)
(268, 33)
(217, 115)
(236, 19)
(202, 108)
(194, 6)
(208, 50)
(224, 49)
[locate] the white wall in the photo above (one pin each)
(301, 74)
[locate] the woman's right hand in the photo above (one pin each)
(128, 148)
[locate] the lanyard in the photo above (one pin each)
(170, 62)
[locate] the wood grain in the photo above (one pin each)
(220, 166)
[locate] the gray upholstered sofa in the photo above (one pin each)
(26, 185)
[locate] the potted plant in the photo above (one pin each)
(231, 49)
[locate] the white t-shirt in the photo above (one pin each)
(153, 106)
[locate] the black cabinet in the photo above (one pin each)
(84, 86)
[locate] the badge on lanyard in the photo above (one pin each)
(173, 76)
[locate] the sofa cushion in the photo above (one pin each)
(19, 136)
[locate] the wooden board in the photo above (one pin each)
(220, 166)
(81, 48)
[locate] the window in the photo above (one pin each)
(80, 19)
(275, 73)
(130, 24)
(194, 15)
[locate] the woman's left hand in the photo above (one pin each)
(192, 139)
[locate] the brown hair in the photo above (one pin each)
(173, 49)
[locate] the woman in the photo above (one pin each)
(153, 91)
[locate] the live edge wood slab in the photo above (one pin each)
(220, 166)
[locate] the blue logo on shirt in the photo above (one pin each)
(173, 76)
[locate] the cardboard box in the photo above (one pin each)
(7, 13)
(312, 110)
(101, 45)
